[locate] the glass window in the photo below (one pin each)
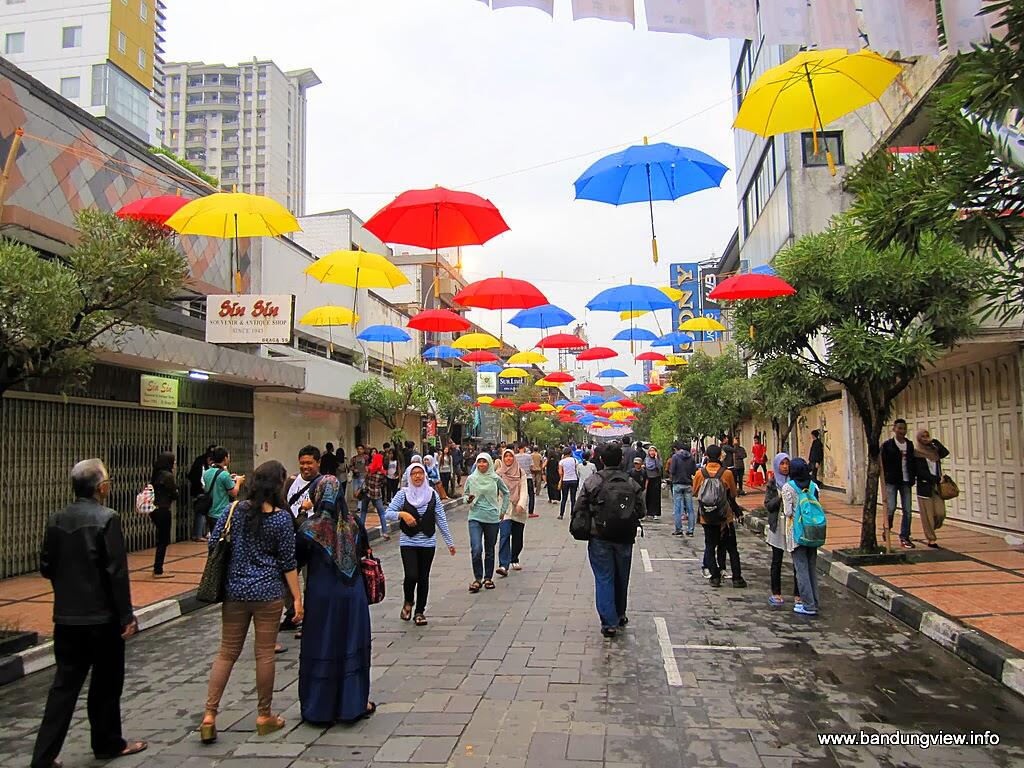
(14, 42)
(142, 59)
(122, 42)
(71, 37)
(70, 87)
(761, 186)
(828, 141)
(143, 11)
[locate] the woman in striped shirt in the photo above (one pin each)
(420, 512)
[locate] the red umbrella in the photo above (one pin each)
(651, 356)
(751, 286)
(629, 403)
(503, 402)
(567, 416)
(589, 386)
(559, 377)
(500, 293)
(528, 407)
(561, 341)
(597, 353)
(479, 356)
(655, 387)
(437, 218)
(156, 210)
(438, 321)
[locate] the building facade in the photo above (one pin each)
(103, 55)
(245, 125)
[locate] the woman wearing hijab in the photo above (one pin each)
(511, 528)
(927, 469)
(652, 480)
(416, 459)
(165, 493)
(334, 658)
(419, 508)
(778, 533)
(804, 558)
(434, 475)
(551, 477)
(488, 498)
(373, 492)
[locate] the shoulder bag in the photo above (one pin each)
(215, 573)
(947, 488)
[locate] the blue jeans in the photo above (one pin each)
(890, 506)
(510, 543)
(364, 509)
(198, 524)
(805, 561)
(610, 562)
(682, 498)
(569, 494)
(482, 538)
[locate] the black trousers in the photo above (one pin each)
(776, 573)
(737, 473)
(77, 650)
(532, 492)
(417, 561)
(714, 559)
(162, 520)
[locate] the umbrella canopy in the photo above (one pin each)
(612, 405)
(751, 286)
(476, 341)
(637, 388)
(651, 356)
(597, 353)
(628, 298)
(763, 269)
(502, 402)
(155, 210)
(546, 383)
(574, 407)
(485, 400)
(384, 333)
(527, 358)
(329, 315)
(438, 321)
(592, 400)
(812, 89)
(500, 293)
(612, 373)
(670, 390)
(441, 352)
(589, 386)
(437, 218)
(635, 334)
(704, 324)
(513, 373)
(233, 215)
(543, 316)
(529, 407)
(561, 403)
(672, 360)
(567, 417)
(560, 377)
(546, 408)
(479, 356)
(490, 368)
(561, 341)
(673, 293)
(674, 339)
(357, 269)
(630, 404)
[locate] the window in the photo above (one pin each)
(14, 42)
(142, 59)
(828, 141)
(70, 87)
(762, 184)
(143, 11)
(122, 42)
(72, 37)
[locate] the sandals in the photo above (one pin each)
(420, 620)
(474, 587)
(269, 725)
(516, 567)
(406, 613)
(502, 571)
(488, 584)
(208, 732)
(132, 748)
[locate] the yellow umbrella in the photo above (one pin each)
(527, 358)
(672, 360)
(513, 373)
(705, 324)
(674, 294)
(611, 404)
(546, 383)
(357, 269)
(546, 407)
(329, 316)
(812, 89)
(485, 399)
(231, 215)
(476, 341)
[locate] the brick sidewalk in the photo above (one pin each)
(984, 588)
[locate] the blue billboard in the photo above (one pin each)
(686, 278)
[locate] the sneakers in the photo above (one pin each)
(775, 601)
(689, 533)
(933, 544)
(677, 533)
(624, 621)
(705, 573)
(716, 581)
(609, 631)
(907, 544)
(799, 608)
(516, 567)
(739, 583)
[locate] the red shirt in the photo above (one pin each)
(760, 453)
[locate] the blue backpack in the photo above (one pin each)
(808, 517)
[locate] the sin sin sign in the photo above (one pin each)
(257, 318)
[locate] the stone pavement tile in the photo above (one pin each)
(547, 748)
(586, 747)
(397, 749)
(434, 749)
(269, 749)
(248, 762)
(340, 754)
(314, 762)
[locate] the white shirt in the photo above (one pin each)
(903, 459)
(568, 465)
(583, 471)
(297, 485)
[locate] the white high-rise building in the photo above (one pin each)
(104, 55)
(245, 125)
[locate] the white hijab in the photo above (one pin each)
(418, 495)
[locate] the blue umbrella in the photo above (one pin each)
(637, 388)
(441, 352)
(388, 334)
(674, 339)
(612, 373)
(670, 391)
(491, 368)
(630, 298)
(592, 400)
(574, 407)
(647, 173)
(764, 269)
(545, 316)
(635, 334)
(561, 402)
(467, 398)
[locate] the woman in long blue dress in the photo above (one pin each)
(334, 659)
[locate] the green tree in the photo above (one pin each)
(389, 404)
(715, 393)
(450, 393)
(782, 388)
(867, 319)
(57, 309)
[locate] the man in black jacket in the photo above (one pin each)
(898, 476)
(611, 553)
(84, 558)
(816, 454)
(681, 469)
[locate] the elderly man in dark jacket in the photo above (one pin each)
(84, 557)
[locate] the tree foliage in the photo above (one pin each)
(868, 319)
(389, 404)
(57, 309)
(782, 388)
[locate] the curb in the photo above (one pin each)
(40, 657)
(985, 653)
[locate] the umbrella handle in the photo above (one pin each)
(654, 248)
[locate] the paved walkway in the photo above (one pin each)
(978, 579)
(520, 677)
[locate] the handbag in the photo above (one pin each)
(947, 488)
(373, 577)
(215, 572)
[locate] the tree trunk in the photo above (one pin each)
(873, 423)
(776, 431)
(784, 442)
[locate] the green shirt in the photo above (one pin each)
(220, 492)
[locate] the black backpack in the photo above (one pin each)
(427, 522)
(615, 509)
(713, 497)
(203, 503)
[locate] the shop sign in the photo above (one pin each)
(257, 318)
(158, 392)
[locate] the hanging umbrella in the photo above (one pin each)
(651, 356)
(647, 173)
(527, 358)
(574, 407)
(543, 316)
(763, 269)
(546, 408)
(476, 341)
(612, 373)
(386, 334)
(588, 386)
(329, 316)
(635, 334)
(356, 269)
(812, 89)
(637, 388)
(671, 360)
(438, 321)
(155, 210)
(513, 373)
(559, 377)
(500, 293)
(592, 400)
(630, 404)
(561, 403)
(611, 405)
(479, 356)
(629, 298)
(670, 390)
(597, 353)
(484, 400)
(529, 407)
(561, 341)
(674, 294)
(703, 324)
(502, 402)
(674, 339)
(546, 383)
(751, 286)
(441, 352)
(231, 215)
(490, 368)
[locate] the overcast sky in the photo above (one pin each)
(424, 92)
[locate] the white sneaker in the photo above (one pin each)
(705, 573)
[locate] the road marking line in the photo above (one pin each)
(667, 654)
(646, 557)
(698, 647)
(676, 559)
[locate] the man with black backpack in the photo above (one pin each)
(714, 490)
(607, 514)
